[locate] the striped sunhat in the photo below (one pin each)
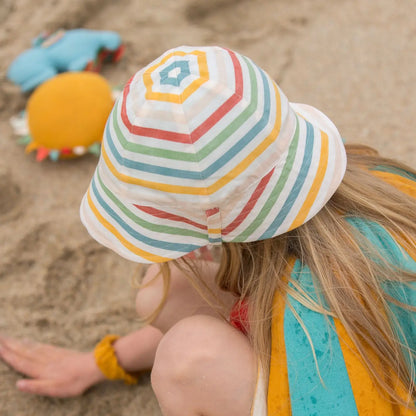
(203, 147)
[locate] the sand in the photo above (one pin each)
(355, 60)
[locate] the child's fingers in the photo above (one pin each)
(3, 341)
(11, 346)
(18, 362)
(19, 344)
(24, 348)
(9, 343)
(51, 388)
(40, 387)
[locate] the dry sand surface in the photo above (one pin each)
(355, 60)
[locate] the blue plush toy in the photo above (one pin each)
(72, 50)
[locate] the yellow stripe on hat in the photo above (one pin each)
(144, 254)
(190, 190)
(316, 185)
(190, 89)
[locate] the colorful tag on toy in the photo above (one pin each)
(53, 38)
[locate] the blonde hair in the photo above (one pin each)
(348, 270)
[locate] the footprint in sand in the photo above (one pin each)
(87, 276)
(198, 11)
(10, 198)
(243, 21)
(21, 267)
(219, 16)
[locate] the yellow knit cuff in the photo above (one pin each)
(106, 360)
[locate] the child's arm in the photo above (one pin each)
(60, 372)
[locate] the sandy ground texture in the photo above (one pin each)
(355, 60)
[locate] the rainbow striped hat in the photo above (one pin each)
(203, 147)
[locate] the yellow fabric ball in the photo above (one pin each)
(69, 111)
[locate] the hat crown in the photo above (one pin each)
(196, 117)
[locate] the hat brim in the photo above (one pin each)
(152, 234)
(138, 233)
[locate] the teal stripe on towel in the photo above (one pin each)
(308, 396)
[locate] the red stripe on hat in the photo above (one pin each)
(250, 204)
(212, 211)
(167, 215)
(202, 128)
(218, 114)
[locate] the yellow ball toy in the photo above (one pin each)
(66, 115)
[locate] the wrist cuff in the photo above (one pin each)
(106, 360)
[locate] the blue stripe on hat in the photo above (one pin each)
(185, 248)
(303, 173)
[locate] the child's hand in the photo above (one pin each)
(53, 371)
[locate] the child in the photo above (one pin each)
(310, 307)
